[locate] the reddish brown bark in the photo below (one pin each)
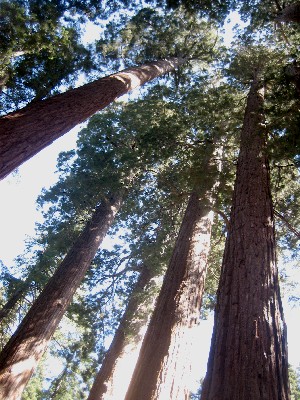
(25, 348)
(248, 355)
(104, 378)
(25, 132)
(156, 375)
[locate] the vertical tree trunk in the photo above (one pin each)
(25, 132)
(163, 360)
(25, 348)
(104, 386)
(248, 355)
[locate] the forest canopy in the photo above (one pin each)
(179, 201)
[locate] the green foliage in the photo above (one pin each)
(197, 395)
(34, 389)
(38, 52)
(159, 147)
(216, 10)
(294, 377)
(154, 34)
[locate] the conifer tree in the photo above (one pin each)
(58, 292)
(25, 132)
(106, 383)
(248, 356)
(161, 143)
(19, 357)
(157, 373)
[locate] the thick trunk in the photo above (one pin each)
(25, 348)
(248, 355)
(25, 132)
(164, 356)
(104, 386)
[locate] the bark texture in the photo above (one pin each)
(25, 348)
(25, 132)
(162, 363)
(104, 385)
(248, 355)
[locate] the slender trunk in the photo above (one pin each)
(13, 300)
(25, 348)
(164, 357)
(17, 295)
(105, 384)
(248, 355)
(25, 132)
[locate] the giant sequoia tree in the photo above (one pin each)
(25, 132)
(32, 336)
(25, 348)
(165, 135)
(163, 358)
(108, 378)
(248, 357)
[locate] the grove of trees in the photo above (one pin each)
(179, 200)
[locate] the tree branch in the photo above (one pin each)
(223, 215)
(291, 228)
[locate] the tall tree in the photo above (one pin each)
(108, 144)
(27, 131)
(157, 374)
(25, 348)
(105, 383)
(248, 356)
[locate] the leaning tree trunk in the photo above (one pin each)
(248, 355)
(25, 132)
(20, 356)
(18, 295)
(165, 352)
(106, 384)
(13, 300)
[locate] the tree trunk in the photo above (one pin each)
(12, 301)
(18, 295)
(25, 132)
(25, 348)
(105, 384)
(164, 356)
(248, 355)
